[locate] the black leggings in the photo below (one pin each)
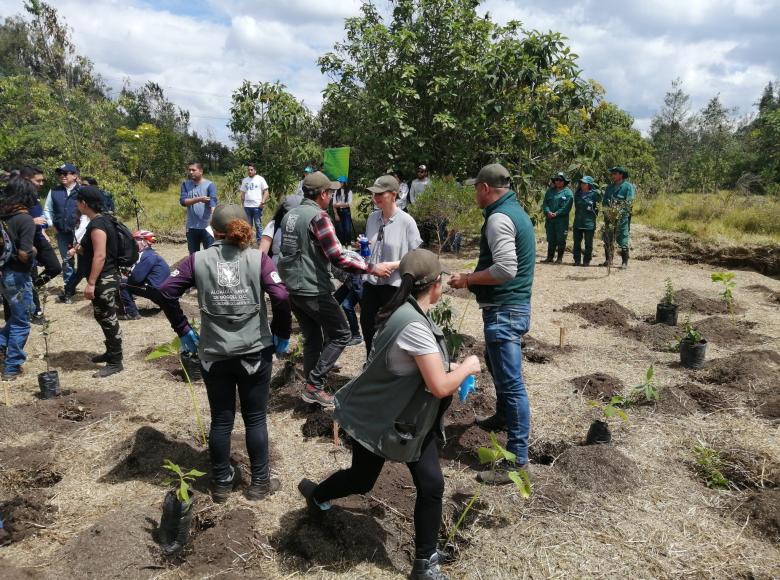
(221, 380)
(427, 477)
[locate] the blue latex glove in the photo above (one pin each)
(189, 342)
(467, 387)
(282, 345)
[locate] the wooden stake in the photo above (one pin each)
(562, 342)
(336, 439)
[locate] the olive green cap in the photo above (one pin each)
(424, 265)
(495, 175)
(385, 183)
(560, 175)
(224, 214)
(587, 179)
(619, 169)
(318, 180)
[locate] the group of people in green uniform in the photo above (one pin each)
(557, 205)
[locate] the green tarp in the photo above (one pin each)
(336, 162)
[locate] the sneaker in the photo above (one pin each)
(12, 374)
(336, 368)
(108, 370)
(307, 487)
(500, 475)
(135, 316)
(428, 569)
(312, 394)
(65, 299)
(492, 423)
(262, 489)
(355, 340)
(37, 318)
(221, 489)
(100, 358)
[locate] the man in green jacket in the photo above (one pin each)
(586, 208)
(557, 205)
(620, 195)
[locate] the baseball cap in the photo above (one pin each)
(560, 175)
(423, 265)
(385, 183)
(67, 168)
(588, 179)
(495, 175)
(422, 168)
(224, 214)
(144, 235)
(619, 169)
(318, 180)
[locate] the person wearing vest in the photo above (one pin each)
(236, 342)
(309, 247)
(619, 192)
(502, 284)
(586, 208)
(61, 212)
(557, 206)
(393, 410)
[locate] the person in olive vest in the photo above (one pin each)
(502, 285)
(393, 410)
(619, 192)
(586, 208)
(236, 343)
(557, 205)
(309, 247)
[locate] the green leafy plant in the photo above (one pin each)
(709, 464)
(726, 280)
(442, 314)
(647, 388)
(493, 456)
(691, 335)
(668, 298)
(182, 480)
(172, 348)
(611, 409)
(614, 215)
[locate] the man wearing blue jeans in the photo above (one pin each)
(502, 284)
(60, 211)
(254, 195)
(199, 196)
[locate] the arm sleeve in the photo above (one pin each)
(416, 340)
(500, 233)
(546, 204)
(183, 193)
(567, 208)
(26, 235)
(413, 235)
(213, 195)
(180, 280)
(324, 234)
(48, 209)
(281, 321)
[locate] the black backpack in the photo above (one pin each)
(126, 248)
(6, 245)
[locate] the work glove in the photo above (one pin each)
(189, 342)
(281, 344)
(467, 387)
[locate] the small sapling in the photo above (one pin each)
(647, 389)
(182, 480)
(709, 464)
(726, 280)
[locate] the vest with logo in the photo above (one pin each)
(388, 414)
(230, 296)
(302, 266)
(66, 215)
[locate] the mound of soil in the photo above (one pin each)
(27, 467)
(545, 452)
(769, 407)
(657, 337)
(463, 436)
(27, 514)
(599, 467)
(231, 543)
(771, 295)
(762, 510)
(599, 386)
(604, 313)
(751, 370)
(719, 330)
(707, 398)
(689, 301)
(677, 402)
(540, 352)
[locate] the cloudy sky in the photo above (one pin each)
(200, 50)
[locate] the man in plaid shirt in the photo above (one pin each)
(309, 247)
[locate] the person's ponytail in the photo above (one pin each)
(239, 233)
(401, 295)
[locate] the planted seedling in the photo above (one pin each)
(709, 464)
(614, 214)
(647, 389)
(48, 381)
(172, 349)
(692, 347)
(182, 480)
(668, 298)
(726, 280)
(442, 314)
(666, 310)
(598, 432)
(691, 335)
(494, 456)
(177, 509)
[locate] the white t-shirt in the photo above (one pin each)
(253, 188)
(81, 229)
(270, 231)
(415, 340)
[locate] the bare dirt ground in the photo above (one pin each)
(80, 484)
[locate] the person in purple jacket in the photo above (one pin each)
(145, 277)
(236, 343)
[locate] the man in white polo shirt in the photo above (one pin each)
(254, 195)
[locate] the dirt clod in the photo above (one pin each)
(690, 301)
(598, 386)
(604, 313)
(27, 514)
(752, 370)
(724, 331)
(232, 542)
(658, 337)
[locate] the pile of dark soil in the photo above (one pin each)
(599, 467)
(232, 543)
(689, 301)
(762, 511)
(725, 331)
(604, 313)
(27, 514)
(540, 352)
(27, 467)
(657, 337)
(771, 295)
(319, 423)
(707, 398)
(751, 370)
(599, 386)
(545, 452)
(676, 401)
(463, 436)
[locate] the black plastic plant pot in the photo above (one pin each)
(191, 364)
(49, 384)
(692, 353)
(598, 433)
(666, 314)
(175, 523)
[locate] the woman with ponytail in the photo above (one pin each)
(236, 343)
(393, 409)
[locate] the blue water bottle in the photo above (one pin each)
(467, 387)
(365, 251)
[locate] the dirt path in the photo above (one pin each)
(84, 491)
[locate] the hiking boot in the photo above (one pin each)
(221, 489)
(493, 423)
(100, 358)
(429, 569)
(307, 487)
(12, 374)
(559, 259)
(262, 489)
(135, 316)
(41, 281)
(336, 368)
(312, 394)
(500, 475)
(65, 299)
(108, 370)
(586, 264)
(550, 255)
(355, 340)
(624, 257)
(37, 318)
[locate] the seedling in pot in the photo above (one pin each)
(666, 310)
(709, 465)
(599, 429)
(181, 479)
(668, 299)
(177, 508)
(726, 279)
(49, 381)
(647, 390)
(692, 347)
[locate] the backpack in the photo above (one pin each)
(6, 245)
(126, 248)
